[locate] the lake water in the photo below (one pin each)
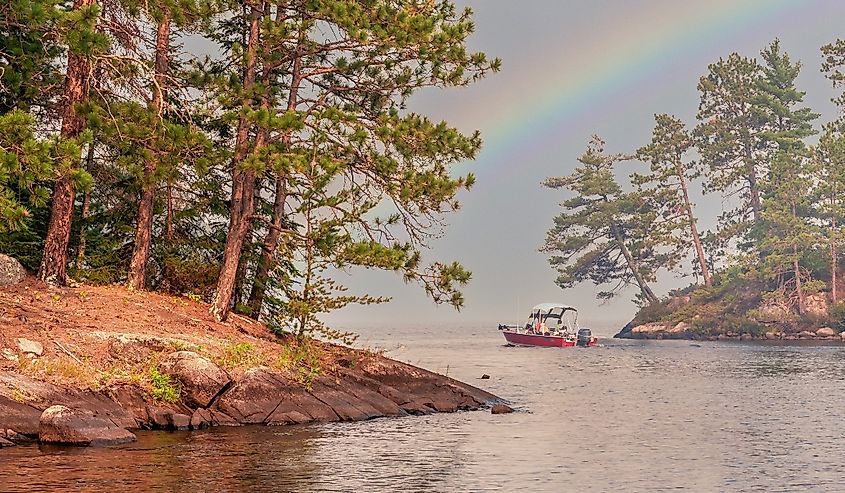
(625, 416)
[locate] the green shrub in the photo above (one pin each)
(165, 389)
(836, 317)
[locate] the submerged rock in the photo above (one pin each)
(65, 426)
(501, 409)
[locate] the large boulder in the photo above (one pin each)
(11, 271)
(67, 426)
(825, 332)
(201, 379)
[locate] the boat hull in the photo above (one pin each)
(521, 339)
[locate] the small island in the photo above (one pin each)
(766, 258)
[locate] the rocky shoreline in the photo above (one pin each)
(87, 365)
(682, 330)
(31, 409)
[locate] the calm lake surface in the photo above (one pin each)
(626, 416)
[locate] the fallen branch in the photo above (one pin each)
(68, 352)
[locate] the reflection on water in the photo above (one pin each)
(632, 416)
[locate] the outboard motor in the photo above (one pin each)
(584, 336)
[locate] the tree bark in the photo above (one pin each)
(86, 211)
(243, 186)
(696, 238)
(168, 220)
(633, 265)
(144, 228)
(797, 269)
(833, 262)
(53, 269)
(753, 187)
(268, 250)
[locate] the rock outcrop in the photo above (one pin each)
(201, 379)
(210, 397)
(66, 426)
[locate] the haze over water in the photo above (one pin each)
(626, 416)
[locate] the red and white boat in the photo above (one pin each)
(550, 325)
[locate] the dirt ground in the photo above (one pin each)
(79, 326)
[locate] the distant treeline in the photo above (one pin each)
(748, 149)
(277, 149)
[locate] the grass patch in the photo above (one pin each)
(164, 388)
(240, 355)
(303, 360)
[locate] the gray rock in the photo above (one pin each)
(11, 271)
(201, 379)
(66, 426)
(27, 346)
(168, 419)
(501, 409)
(18, 418)
(825, 332)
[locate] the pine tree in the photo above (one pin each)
(599, 235)
(29, 51)
(729, 140)
(83, 42)
(165, 15)
(670, 177)
(828, 167)
(786, 228)
(358, 75)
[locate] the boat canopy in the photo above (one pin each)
(547, 307)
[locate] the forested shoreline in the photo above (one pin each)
(244, 172)
(773, 262)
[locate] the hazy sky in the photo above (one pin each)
(572, 68)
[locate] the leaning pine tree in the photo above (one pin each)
(670, 176)
(601, 233)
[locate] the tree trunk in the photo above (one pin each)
(633, 265)
(53, 269)
(144, 229)
(699, 250)
(268, 250)
(833, 262)
(168, 220)
(243, 186)
(797, 270)
(86, 211)
(274, 230)
(753, 187)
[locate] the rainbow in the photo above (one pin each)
(607, 67)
